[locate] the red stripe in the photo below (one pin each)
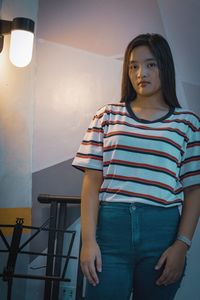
(139, 165)
(150, 151)
(89, 156)
(152, 182)
(143, 135)
(191, 159)
(108, 111)
(145, 127)
(187, 113)
(95, 130)
(182, 121)
(115, 191)
(194, 144)
(192, 173)
(92, 144)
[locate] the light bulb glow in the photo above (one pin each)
(21, 47)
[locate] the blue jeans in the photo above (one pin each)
(132, 237)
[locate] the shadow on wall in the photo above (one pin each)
(60, 179)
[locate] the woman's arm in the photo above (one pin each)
(90, 252)
(174, 256)
(190, 213)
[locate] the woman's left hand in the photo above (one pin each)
(173, 260)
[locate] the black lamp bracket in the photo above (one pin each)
(5, 27)
(17, 23)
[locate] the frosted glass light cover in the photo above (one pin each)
(21, 47)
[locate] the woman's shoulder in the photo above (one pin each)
(110, 107)
(187, 114)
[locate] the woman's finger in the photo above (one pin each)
(163, 279)
(160, 262)
(90, 273)
(87, 275)
(93, 274)
(99, 263)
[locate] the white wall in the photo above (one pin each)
(71, 85)
(16, 115)
(181, 20)
(16, 126)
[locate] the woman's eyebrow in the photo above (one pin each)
(147, 59)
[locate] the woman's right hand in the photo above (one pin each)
(91, 262)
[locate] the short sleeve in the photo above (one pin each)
(190, 166)
(90, 152)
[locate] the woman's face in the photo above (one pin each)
(144, 72)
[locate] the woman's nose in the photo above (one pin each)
(142, 72)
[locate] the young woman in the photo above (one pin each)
(141, 159)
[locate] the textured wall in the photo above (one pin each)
(16, 115)
(16, 126)
(71, 84)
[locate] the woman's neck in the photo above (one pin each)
(150, 102)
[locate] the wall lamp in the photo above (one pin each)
(21, 42)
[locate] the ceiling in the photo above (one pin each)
(98, 26)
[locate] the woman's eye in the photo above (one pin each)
(151, 65)
(132, 67)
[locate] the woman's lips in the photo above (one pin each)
(143, 83)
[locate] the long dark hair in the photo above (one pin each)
(161, 50)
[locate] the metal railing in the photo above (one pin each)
(55, 226)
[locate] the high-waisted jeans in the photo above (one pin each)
(132, 237)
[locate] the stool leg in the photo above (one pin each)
(50, 251)
(59, 249)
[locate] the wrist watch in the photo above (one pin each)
(184, 239)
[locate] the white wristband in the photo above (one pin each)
(184, 239)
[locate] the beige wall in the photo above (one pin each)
(16, 125)
(16, 111)
(71, 85)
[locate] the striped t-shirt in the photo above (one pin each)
(142, 161)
